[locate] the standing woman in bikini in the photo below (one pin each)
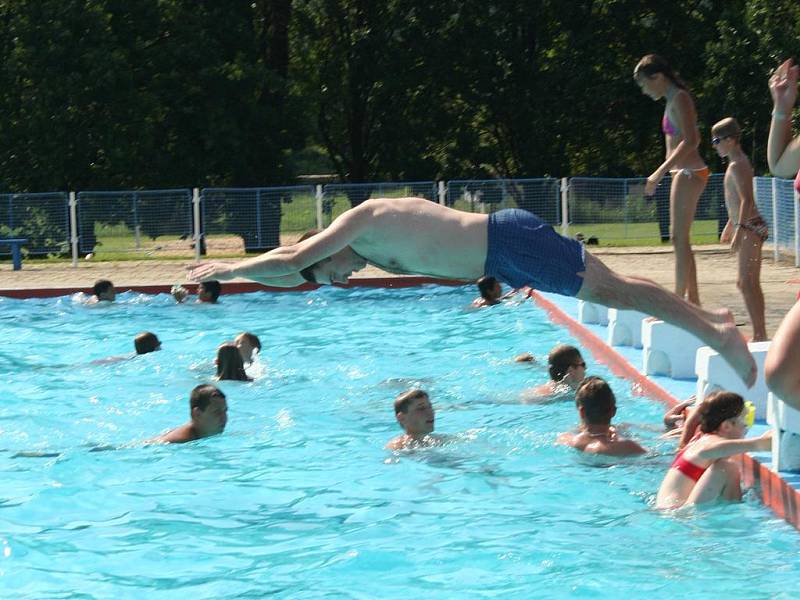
(656, 79)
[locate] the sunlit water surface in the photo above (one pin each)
(299, 499)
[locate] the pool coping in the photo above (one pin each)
(775, 492)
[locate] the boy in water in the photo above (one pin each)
(596, 406)
(207, 291)
(567, 370)
(209, 415)
(103, 291)
(746, 230)
(146, 342)
(247, 343)
(414, 413)
(417, 236)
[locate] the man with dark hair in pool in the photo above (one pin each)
(414, 413)
(103, 291)
(146, 342)
(209, 415)
(566, 368)
(596, 406)
(417, 236)
(207, 291)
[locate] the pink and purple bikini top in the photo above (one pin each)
(797, 183)
(668, 127)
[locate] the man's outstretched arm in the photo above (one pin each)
(287, 260)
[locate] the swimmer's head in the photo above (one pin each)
(489, 288)
(146, 342)
(230, 365)
(247, 343)
(337, 268)
(414, 412)
(208, 291)
(655, 76)
(209, 410)
(595, 401)
(565, 364)
(723, 413)
(725, 135)
(104, 290)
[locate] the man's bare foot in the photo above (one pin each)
(734, 349)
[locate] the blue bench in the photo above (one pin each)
(16, 255)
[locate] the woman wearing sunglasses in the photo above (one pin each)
(657, 79)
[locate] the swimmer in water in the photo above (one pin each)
(596, 406)
(414, 413)
(566, 368)
(248, 344)
(209, 415)
(230, 365)
(103, 291)
(703, 470)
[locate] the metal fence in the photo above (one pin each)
(151, 222)
(41, 218)
(230, 221)
(255, 219)
(617, 211)
(540, 196)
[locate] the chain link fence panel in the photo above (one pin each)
(339, 197)
(41, 218)
(539, 196)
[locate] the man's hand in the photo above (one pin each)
(783, 86)
(211, 270)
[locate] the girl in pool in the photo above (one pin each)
(703, 470)
(230, 364)
(657, 79)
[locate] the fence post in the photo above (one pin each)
(775, 218)
(198, 232)
(137, 229)
(564, 206)
(442, 194)
(73, 227)
(319, 206)
(258, 218)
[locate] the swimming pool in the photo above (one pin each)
(298, 498)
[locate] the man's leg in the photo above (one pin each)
(715, 328)
(721, 481)
(782, 366)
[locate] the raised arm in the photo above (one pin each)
(288, 260)
(726, 448)
(783, 153)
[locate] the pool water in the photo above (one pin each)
(299, 499)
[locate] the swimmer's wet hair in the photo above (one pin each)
(146, 342)
(251, 339)
(560, 359)
(727, 128)
(404, 400)
(201, 396)
(212, 287)
(230, 364)
(486, 285)
(718, 408)
(101, 286)
(597, 399)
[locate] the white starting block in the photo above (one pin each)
(785, 422)
(625, 327)
(713, 372)
(668, 350)
(589, 312)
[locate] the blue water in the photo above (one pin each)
(298, 498)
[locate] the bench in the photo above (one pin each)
(16, 255)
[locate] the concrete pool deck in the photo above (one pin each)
(716, 270)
